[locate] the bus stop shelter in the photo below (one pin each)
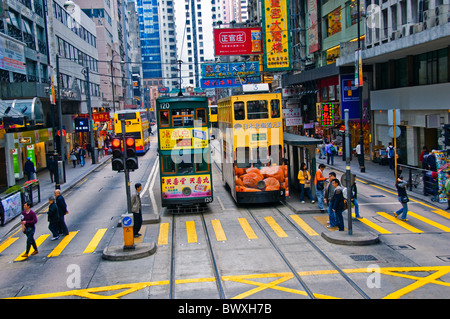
(300, 149)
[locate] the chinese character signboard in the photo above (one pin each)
(228, 82)
(327, 111)
(237, 41)
(172, 187)
(276, 36)
(226, 70)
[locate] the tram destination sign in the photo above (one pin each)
(226, 70)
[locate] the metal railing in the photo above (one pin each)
(419, 180)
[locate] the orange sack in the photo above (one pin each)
(256, 171)
(273, 171)
(272, 184)
(251, 179)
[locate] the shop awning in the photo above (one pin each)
(298, 140)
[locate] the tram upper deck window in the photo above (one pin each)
(275, 108)
(239, 111)
(257, 110)
(164, 118)
(183, 117)
(201, 116)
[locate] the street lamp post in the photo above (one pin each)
(360, 92)
(58, 178)
(91, 127)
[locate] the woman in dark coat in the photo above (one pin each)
(53, 218)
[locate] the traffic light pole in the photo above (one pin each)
(125, 169)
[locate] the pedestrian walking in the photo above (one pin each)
(330, 150)
(53, 218)
(328, 199)
(337, 204)
(402, 198)
(447, 189)
(62, 211)
(304, 178)
(391, 155)
(73, 157)
(354, 193)
(51, 165)
(82, 154)
(29, 170)
(136, 208)
(29, 220)
(359, 154)
(319, 183)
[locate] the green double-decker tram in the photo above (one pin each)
(184, 153)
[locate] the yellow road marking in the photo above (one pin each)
(429, 221)
(248, 230)
(191, 232)
(275, 227)
(400, 223)
(401, 272)
(163, 238)
(442, 213)
(379, 229)
(39, 241)
(8, 243)
(64, 242)
(218, 230)
(304, 226)
(90, 248)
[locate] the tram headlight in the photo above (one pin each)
(261, 184)
(186, 191)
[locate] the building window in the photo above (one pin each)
(334, 22)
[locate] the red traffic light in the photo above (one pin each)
(130, 142)
(116, 143)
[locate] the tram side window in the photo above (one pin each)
(201, 116)
(164, 118)
(275, 108)
(168, 165)
(275, 154)
(239, 111)
(257, 110)
(243, 157)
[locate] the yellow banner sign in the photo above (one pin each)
(276, 35)
(183, 138)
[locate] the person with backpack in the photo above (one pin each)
(391, 155)
(330, 150)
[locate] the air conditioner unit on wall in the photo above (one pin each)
(442, 19)
(442, 9)
(407, 29)
(418, 27)
(428, 19)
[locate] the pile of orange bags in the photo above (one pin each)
(274, 178)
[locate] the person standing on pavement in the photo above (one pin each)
(390, 155)
(319, 183)
(53, 218)
(136, 208)
(29, 220)
(62, 210)
(82, 154)
(337, 204)
(329, 194)
(330, 150)
(51, 165)
(29, 170)
(402, 198)
(304, 178)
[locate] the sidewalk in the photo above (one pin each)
(375, 174)
(47, 188)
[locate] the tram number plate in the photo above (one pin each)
(208, 200)
(164, 106)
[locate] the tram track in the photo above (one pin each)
(172, 280)
(289, 264)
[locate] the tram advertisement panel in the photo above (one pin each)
(266, 178)
(183, 138)
(186, 186)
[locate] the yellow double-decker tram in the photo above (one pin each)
(251, 143)
(137, 124)
(184, 153)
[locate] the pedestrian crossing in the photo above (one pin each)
(229, 229)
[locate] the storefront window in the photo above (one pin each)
(334, 22)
